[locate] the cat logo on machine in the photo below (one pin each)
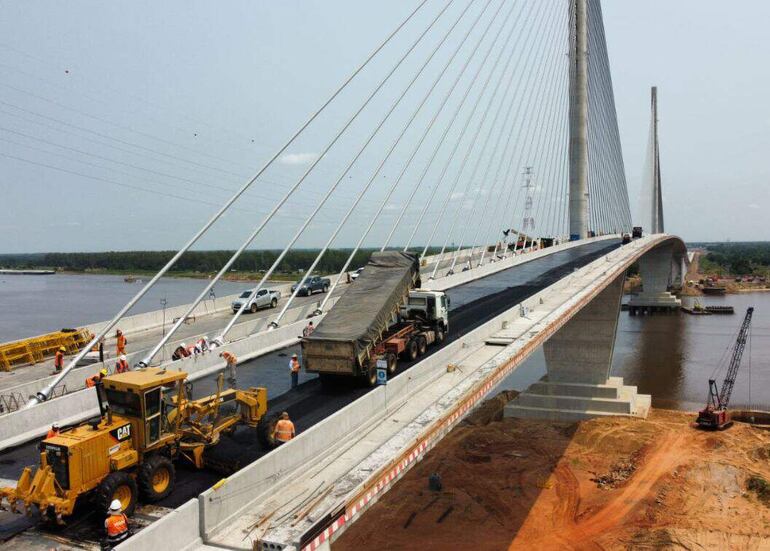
(121, 433)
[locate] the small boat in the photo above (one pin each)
(696, 310)
(129, 279)
(720, 309)
(714, 290)
(5, 271)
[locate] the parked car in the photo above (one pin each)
(311, 285)
(265, 298)
(355, 273)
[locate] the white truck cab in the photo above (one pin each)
(433, 306)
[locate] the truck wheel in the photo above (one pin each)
(392, 364)
(411, 350)
(156, 478)
(265, 429)
(422, 345)
(253, 308)
(440, 335)
(118, 485)
(274, 303)
(326, 289)
(371, 377)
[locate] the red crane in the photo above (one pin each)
(715, 415)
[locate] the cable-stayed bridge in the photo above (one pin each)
(484, 129)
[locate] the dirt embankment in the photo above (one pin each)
(611, 483)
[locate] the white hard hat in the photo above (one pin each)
(115, 506)
(123, 357)
(205, 338)
(183, 345)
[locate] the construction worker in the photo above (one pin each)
(122, 342)
(284, 429)
(116, 524)
(58, 361)
(91, 381)
(232, 362)
(294, 368)
(53, 431)
(308, 330)
(121, 366)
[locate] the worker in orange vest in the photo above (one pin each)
(116, 524)
(91, 381)
(232, 362)
(122, 342)
(121, 366)
(284, 429)
(58, 361)
(294, 368)
(53, 431)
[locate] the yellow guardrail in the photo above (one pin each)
(36, 349)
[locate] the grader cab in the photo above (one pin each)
(147, 422)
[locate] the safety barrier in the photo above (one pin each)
(36, 349)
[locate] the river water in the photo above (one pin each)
(673, 356)
(32, 305)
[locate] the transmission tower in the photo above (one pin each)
(528, 223)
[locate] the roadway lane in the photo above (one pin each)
(471, 305)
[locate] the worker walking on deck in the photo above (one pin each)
(121, 342)
(294, 368)
(121, 366)
(58, 361)
(284, 429)
(116, 524)
(91, 381)
(308, 330)
(232, 362)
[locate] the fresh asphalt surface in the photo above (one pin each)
(470, 305)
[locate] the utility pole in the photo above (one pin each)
(578, 120)
(657, 196)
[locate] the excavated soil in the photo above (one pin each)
(611, 483)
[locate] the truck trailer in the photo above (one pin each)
(383, 315)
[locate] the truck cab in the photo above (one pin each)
(430, 306)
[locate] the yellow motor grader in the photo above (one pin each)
(147, 422)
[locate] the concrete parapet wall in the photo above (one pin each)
(180, 532)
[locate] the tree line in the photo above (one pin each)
(191, 261)
(738, 258)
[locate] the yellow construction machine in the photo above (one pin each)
(147, 422)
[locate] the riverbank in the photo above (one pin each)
(148, 274)
(609, 483)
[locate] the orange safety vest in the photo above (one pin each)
(121, 342)
(295, 366)
(116, 525)
(91, 381)
(230, 358)
(284, 430)
(52, 433)
(58, 361)
(121, 366)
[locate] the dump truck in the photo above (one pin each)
(147, 422)
(383, 315)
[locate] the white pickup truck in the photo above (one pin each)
(265, 298)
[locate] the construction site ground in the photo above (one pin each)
(606, 483)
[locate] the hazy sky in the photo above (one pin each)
(102, 103)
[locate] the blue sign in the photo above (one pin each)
(382, 372)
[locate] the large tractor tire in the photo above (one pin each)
(118, 485)
(265, 429)
(422, 345)
(392, 364)
(410, 352)
(156, 478)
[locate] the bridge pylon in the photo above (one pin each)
(578, 120)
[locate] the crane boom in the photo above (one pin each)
(715, 414)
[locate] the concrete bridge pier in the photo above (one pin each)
(578, 359)
(659, 272)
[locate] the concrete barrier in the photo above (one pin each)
(179, 532)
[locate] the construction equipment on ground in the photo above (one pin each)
(715, 415)
(379, 318)
(147, 422)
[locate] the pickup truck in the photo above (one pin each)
(312, 284)
(265, 298)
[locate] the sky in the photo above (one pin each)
(126, 125)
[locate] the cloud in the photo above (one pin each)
(456, 195)
(753, 206)
(298, 158)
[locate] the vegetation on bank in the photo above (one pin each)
(736, 259)
(192, 263)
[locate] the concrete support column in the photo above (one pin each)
(578, 360)
(581, 351)
(578, 121)
(655, 267)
